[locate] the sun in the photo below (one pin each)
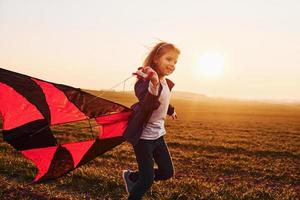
(210, 64)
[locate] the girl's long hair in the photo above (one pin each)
(157, 51)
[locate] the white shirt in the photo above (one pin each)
(155, 127)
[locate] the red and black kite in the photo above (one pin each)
(29, 106)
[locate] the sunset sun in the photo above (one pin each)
(210, 64)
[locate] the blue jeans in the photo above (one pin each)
(146, 152)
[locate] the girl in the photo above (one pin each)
(145, 130)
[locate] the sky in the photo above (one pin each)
(96, 44)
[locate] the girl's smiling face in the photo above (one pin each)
(165, 65)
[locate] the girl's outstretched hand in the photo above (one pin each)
(174, 115)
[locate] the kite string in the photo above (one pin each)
(113, 87)
(91, 128)
(101, 93)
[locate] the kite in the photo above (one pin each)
(30, 106)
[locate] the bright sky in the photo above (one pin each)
(230, 48)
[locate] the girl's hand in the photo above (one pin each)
(174, 115)
(152, 75)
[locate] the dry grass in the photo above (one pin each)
(220, 149)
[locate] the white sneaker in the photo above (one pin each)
(128, 183)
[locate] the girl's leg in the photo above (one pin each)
(163, 160)
(144, 156)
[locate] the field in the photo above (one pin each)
(221, 149)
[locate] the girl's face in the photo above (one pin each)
(165, 65)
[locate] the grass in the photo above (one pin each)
(220, 150)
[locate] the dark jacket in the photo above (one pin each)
(143, 110)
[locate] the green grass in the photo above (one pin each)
(219, 150)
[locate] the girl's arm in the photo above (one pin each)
(143, 83)
(147, 100)
(148, 91)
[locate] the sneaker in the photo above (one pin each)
(128, 183)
